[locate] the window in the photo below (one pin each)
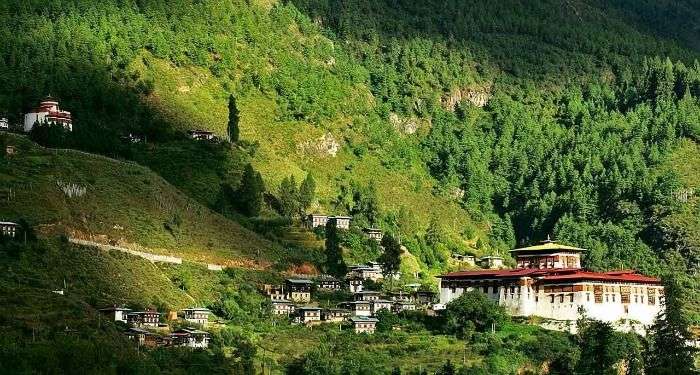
(606, 298)
(588, 297)
(613, 298)
(551, 298)
(485, 289)
(561, 298)
(571, 297)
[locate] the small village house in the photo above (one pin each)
(4, 124)
(340, 222)
(201, 135)
(316, 220)
(465, 259)
(282, 307)
(355, 283)
(197, 315)
(404, 306)
(401, 296)
(381, 304)
(190, 338)
(335, 315)
(275, 292)
(142, 338)
(365, 272)
(425, 297)
(10, 150)
(9, 229)
(116, 314)
(308, 314)
(363, 324)
(358, 308)
(327, 282)
(491, 262)
(367, 295)
(374, 234)
(148, 318)
(298, 290)
(48, 112)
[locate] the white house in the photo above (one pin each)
(190, 338)
(362, 324)
(117, 314)
(4, 124)
(48, 112)
(9, 229)
(197, 315)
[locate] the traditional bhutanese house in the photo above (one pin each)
(401, 296)
(328, 282)
(117, 314)
(4, 124)
(403, 306)
(190, 338)
(316, 220)
(491, 262)
(355, 283)
(197, 315)
(380, 304)
(425, 297)
(335, 315)
(309, 314)
(142, 337)
(467, 259)
(298, 290)
(358, 308)
(275, 292)
(9, 229)
(549, 283)
(10, 150)
(148, 318)
(366, 295)
(201, 135)
(48, 112)
(282, 307)
(365, 272)
(340, 222)
(362, 324)
(374, 234)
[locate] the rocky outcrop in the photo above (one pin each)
(476, 95)
(405, 125)
(324, 146)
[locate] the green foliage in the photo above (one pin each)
(307, 192)
(603, 350)
(249, 196)
(668, 349)
(473, 311)
(391, 256)
(335, 264)
(288, 196)
(233, 120)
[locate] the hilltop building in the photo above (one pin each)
(328, 282)
(320, 220)
(9, 229)
(190, 338)
(148, 318)
(117, 314)
(550, 283)
(197, 315)
(282, 307)
(374, 234)
(48, 112)
(363, 324)
(340, 222)
(355, 283)
(309, 314)
(201, 135)
(4, 124)
(299, 290)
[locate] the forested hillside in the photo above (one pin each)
(461, 126)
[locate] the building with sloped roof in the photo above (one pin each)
(550, 283)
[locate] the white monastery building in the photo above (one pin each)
(49, 112)
(550, 283)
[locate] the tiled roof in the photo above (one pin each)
(548, 245)
(554, 274)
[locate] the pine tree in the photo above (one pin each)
(307, 192)
(391, 257)
(668, 351)
(233, 119)
(250, 194)
(288, 197)
(335, 265)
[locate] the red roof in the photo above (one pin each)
(554, 274)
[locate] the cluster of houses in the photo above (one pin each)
(292, 298)
(314, 221)
(9, 229)
(147, 330)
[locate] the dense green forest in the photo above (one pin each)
(458, 126)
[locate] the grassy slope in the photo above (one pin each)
(125, 203)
